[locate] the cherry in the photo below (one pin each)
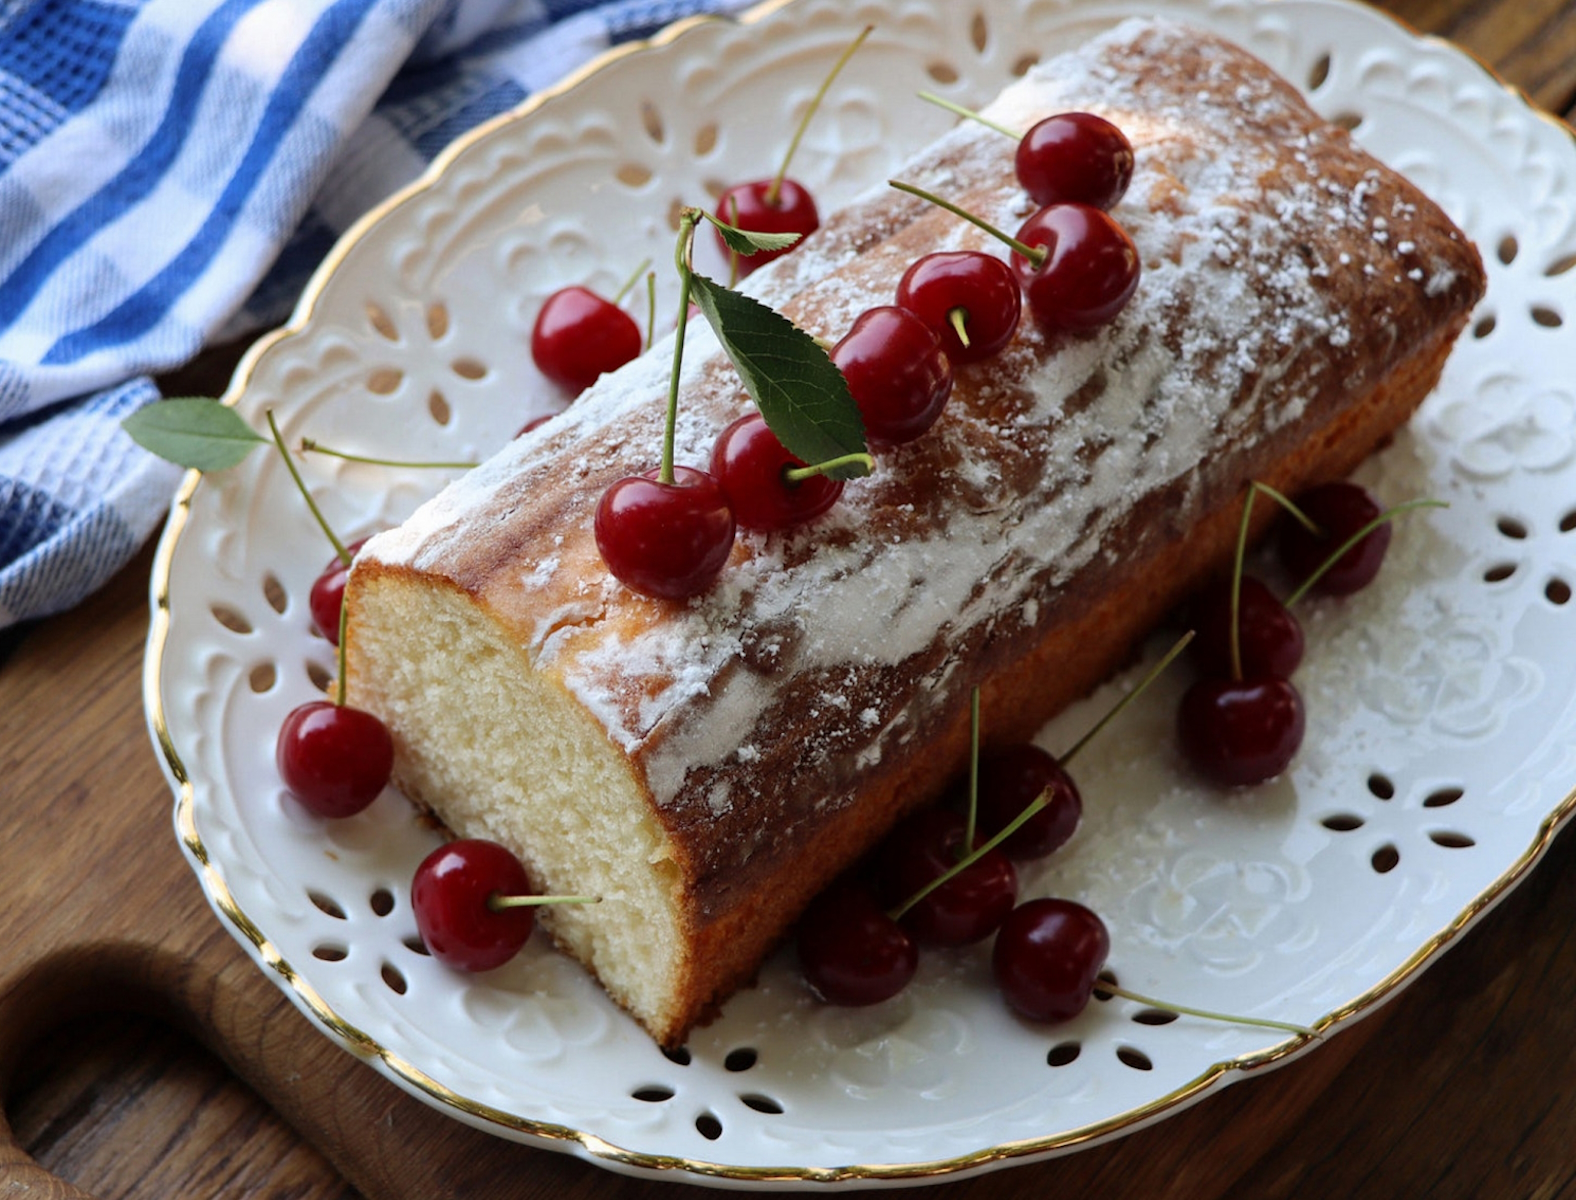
(980, 289)
(334, 759)
(1269, 637)
(579, 336)
(1339, 510)
(897, 373)
(751, 467)
(450, 895)
(850, 951)
(751, 206)
(1077, 157)
(779, 205)
(1012, 778)
(1238, 732)
(1090, 270)
(328, 593)
(962, 910)
(1047, 958)
(665, 539)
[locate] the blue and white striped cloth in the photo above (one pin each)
(171, 171)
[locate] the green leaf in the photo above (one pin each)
(193, 432)
(803, 397)
(748, 241)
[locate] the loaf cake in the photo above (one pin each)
(707, 766)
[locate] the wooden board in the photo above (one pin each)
(116, 975)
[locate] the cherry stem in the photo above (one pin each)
(1106, 985)
(632, 280)
(339, 546)
(311, 446)
(1143, 686)
(1389, 514)
(651, 307)
(958, 318)
(974, 772)
(773, 193)
(497, 902)
(339, 690)
(1233, 637)
(1035, 254)
(969, 113)
(1298, 515)
(796, 475)
(688, 219)
(968, 860)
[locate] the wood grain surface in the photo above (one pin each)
(142, 1055)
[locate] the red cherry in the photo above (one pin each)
(1269, 637)
(852, 953)
(334, 759)
(1339, 510)
(579, 336)
(449, 895)
(896, 372)
(1076, 157)
(1238, 732)
(665, 539)
(969, 905)
(747, 206)
(1011, 779)
(328, 594)
(1047, 958)
(982, 286)
(1090, 271)
(749, 464)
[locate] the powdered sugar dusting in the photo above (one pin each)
(1035, 467)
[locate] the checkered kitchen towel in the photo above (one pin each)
(171, 171)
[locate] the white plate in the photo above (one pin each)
(1440, 756)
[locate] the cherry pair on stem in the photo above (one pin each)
(1077, 266)
(1244, 721)
(334, 758)
(1075, 262)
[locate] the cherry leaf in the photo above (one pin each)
(748, 241)
(193, 432)
(802, 396)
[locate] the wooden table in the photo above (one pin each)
(116, 975)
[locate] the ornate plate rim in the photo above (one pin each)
(587, 1145)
